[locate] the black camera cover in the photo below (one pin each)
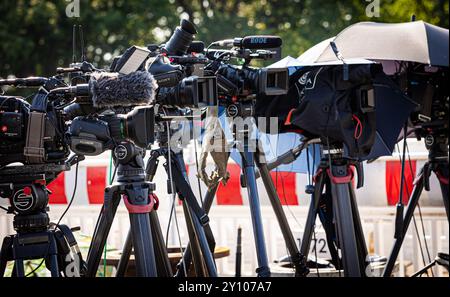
(321, 103)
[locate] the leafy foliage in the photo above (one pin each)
(36, 36)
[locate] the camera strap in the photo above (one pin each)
(34, 145)
(69, 244)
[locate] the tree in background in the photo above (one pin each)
(36, 36)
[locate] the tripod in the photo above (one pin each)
(36, 238)
(438, 164)
(250, 157)
(201, 241)
(139, 199)
(335, 176)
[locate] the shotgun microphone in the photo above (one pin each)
(251, 42)
(112, 89)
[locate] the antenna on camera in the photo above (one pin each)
(74, 42)
(83, 53)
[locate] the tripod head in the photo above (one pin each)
(436, 142)
(29, 203)
(333, 155)
(129, 160)
(26, 188)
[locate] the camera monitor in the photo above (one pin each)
(131, 60)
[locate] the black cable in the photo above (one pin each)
(414, 218)
(114, 175)
(284, 198)
(71, 198)
(420, 215)
(314, 226)
(4, 208)
(285, 201)
(168, 227)
(196, 165)
(174, 194)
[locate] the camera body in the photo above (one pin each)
(427, 87)
(245, 81)
(31, 136)
(93, 135)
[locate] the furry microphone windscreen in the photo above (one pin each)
(111, 89)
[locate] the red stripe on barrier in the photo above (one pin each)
(286, 187)
(231, 193)
(96, 183)
(58, 195)
(393, 172)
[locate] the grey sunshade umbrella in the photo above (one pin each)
(413, 41)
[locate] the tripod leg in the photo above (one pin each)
(413, 200)
(444, 190)
(194, 244)
(112, 199)
(207, 203)
(5, 254)
(139, 203)
(344, 222)
(53, 257)
(423, 270)
(143, 244)
(162, 258)
(180, 179)
(125, 256)
(209, 197)
(163, 266)
(248, 165)
(204, 245)
(362, 247)
(312, 213)
(19, 270)
(296, 257)
(442, 174)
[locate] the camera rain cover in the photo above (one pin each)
(365, 112)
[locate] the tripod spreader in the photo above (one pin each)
(289, 156)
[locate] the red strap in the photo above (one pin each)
(359, 127)
(341, 179)
(288, 118)
(156, 200)
(132, 208)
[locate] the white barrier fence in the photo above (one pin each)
(378, 225)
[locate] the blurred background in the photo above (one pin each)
(36, 35)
